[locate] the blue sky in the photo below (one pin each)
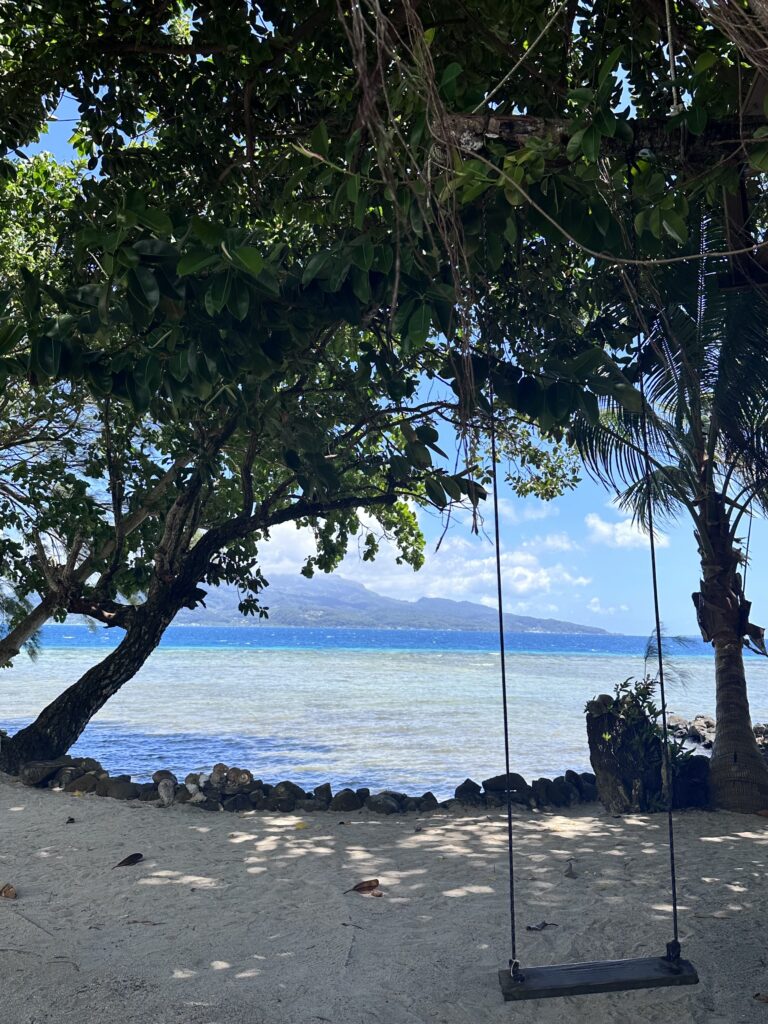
(576, 558)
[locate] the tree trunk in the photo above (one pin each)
(59, 725)
(739, 774)
(12, 642)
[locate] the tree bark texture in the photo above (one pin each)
(60, 724)
(739, 774)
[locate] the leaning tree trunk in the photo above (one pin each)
(59, 725)
(739, 774)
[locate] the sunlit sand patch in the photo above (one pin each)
(178, 878)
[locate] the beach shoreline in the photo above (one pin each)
(234, 918)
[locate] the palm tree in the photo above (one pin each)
(705, 376)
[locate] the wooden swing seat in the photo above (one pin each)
(597, 976)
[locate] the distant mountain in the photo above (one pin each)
(336, 603)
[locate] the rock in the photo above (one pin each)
(120, 778)
(411, 804)
(453, 805)
(256, 796)
(324, 792)
(346, 800)
(218, 775)
(562, 793)
(37, 773)
(84, 784)
(690, 787)
(290, 790)
(207, 803)
(588, 778)
(238, 802)
(183, 795)
(575, 780)
(193, 779)
(363, 793)
(118, 789)
(285, 804)
(469, 793)
(166, 790)
(163, 773)
(147, 791)
(89, 764)
(702, 730)
(65, 775)
(499, 782)
(237, 780)
(428, 802)
(382, 803)
(540, 792)
(495, 800)
(677, 726)
(588, 793)
(310, 805)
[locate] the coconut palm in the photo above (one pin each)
(705, 373)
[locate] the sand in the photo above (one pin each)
(242, 919)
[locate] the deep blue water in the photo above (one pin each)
(406, 709)
(274, 638)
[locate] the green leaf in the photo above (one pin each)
(451, 73)
(208, 232)
(315, 266)
(363, 252)
(573, 149)
(249, 259)
(156, 220)
(435, 492)
(451, 487)
(675, 226)
(758, 156)
(606, 123)
(194, 261)
(696, 119)
(353, 187)
(318, 140)
(217, 294)
(609, 63)
(419, 324)
(704, 62)
(45, 355)
(590, 143)
(143, 286)
(624, 131)
(418, 455)
(239, 300)
(10, 334)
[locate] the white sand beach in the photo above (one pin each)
(242, 919)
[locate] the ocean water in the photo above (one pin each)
(404, 709)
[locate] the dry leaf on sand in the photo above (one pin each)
(132, 858)
(370, 885)
(761, 997)
(540, 926)
(7, 891)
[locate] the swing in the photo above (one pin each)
(546, 982)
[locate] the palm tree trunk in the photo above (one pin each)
(60, 724)
(739, 773)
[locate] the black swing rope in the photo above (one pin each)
(513, 963)
(673, 948)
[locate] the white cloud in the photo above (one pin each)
(623, 534)
(594, 606)
(464, 568)
(526, 510)
(551, 542)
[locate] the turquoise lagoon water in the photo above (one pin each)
(403, 709)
